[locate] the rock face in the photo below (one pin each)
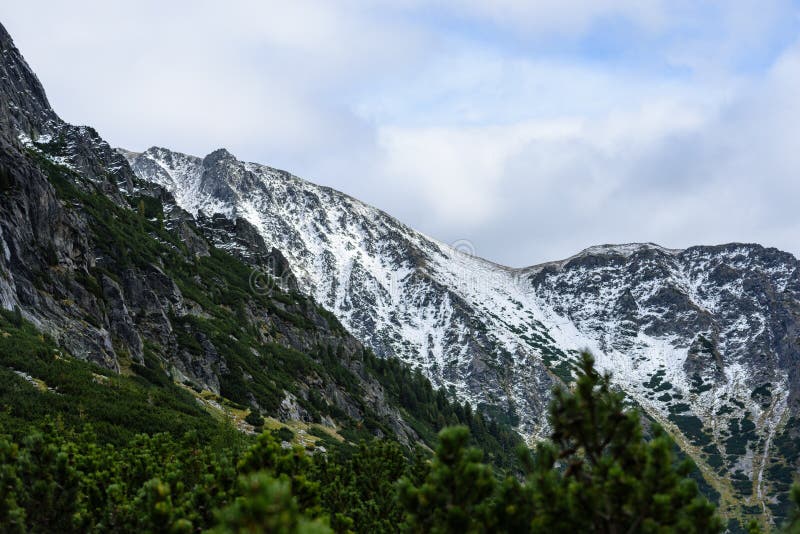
(52, 266)
(704, 339)
(726, 316)
(25, 105)
(80, 263)
(39, 236)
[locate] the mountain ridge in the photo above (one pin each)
(124, 272)
(109, 269)
(683, 330)
(625, 249)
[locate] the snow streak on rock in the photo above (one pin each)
(702, 338)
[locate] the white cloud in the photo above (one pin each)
(678, 177)
(563, 16)
(492, 121)
(261, 77)
(458, 171)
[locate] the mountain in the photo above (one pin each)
(194, 311)
(400, 292)
(236, 287)
(704, 339)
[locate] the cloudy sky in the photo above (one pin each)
(532, 128)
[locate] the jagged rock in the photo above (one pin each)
(25, 107)
(290, 410)
(120, 320)
(107, 309)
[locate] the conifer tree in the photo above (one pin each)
(599, 474)
(12, 515)
(266, 506)
(455, 494)
(291, 465)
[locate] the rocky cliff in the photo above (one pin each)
(119, 274)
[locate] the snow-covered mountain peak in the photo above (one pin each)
(626, 249)
(693, 336)
(620, 251)
(220, 154)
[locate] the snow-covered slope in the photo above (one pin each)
(705, 339)
(463, 320)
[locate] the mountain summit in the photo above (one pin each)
(704, 339)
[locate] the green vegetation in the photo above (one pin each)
(782, 468)
(247, 329)
(428, 408)
(55, 479)
(614, 480)
(597, 473)
(37, 380)
(793, 523)
(83, 449)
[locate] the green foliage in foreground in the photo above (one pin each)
(597, 474)
(57, 480)
(613, 479)
(793, 527)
